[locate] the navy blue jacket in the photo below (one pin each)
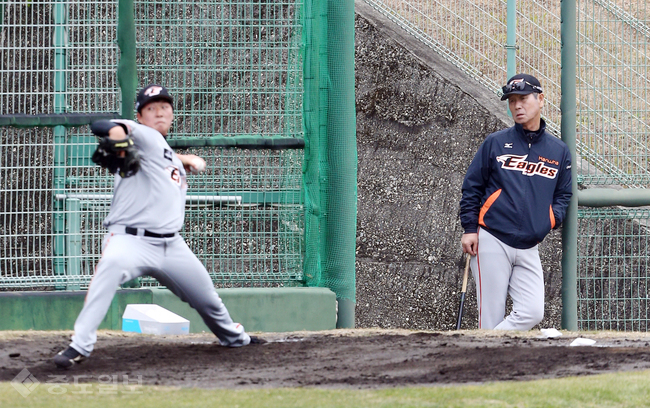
(518, 186)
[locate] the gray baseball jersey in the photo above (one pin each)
(146, 214)
(153, 198)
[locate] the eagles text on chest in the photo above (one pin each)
(518, 163)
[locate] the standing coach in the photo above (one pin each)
(516, 190)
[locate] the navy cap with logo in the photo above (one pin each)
(521, 84)
(150, 93)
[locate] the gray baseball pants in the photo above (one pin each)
(499, 270)
(168, 260)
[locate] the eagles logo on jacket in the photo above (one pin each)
(518, 186)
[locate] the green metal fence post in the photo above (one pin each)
(127, 72)
(511, 38)
(568, 128)
(127, 68)
(323, 163)
(311, 186)
(73, 240)
(59, 43)
(511, 42)
(342, 160)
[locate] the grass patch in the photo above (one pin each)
(630, 389)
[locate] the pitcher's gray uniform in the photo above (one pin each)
(152, 200)
(146, 214)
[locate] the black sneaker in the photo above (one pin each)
(257, 340)
(68, 358)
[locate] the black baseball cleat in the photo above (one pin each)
(257, 340)
(68, 358)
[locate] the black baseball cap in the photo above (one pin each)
(521, 84)
(150, 93)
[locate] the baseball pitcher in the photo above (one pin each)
(145, 217)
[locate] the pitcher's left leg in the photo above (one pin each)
(187, 278)
(527, 292)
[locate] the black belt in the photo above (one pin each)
(134, 231)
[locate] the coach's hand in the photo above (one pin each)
(469, 242)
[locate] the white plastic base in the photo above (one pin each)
(153, 319)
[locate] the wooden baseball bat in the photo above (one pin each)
(462, 292)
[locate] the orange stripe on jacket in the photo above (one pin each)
(488, 203)
(550, 211)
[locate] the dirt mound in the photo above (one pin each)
(341, 358)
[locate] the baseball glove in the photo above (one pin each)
(117, 156)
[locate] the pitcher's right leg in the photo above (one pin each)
(116, 266)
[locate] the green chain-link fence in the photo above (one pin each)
(614, 290)
(236, 72)
(236, 69)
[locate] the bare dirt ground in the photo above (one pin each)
(364, 358)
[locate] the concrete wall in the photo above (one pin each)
(258, 309)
